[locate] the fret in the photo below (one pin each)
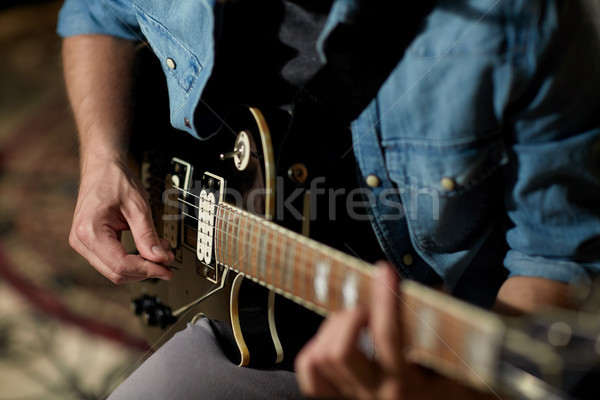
(283, 267)
(218, 236)
(255, 249)
(315, 257)
(279, 259)
(235, 240)
(271, 263)
(261, 272)
(289, 268)
(297, 271)
(241, 248)
(300, 273)
(226, 237)
(247, 247)
(305, 279)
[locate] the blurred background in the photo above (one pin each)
(65, 331)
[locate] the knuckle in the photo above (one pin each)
(138, 205)
(117, 276)
(73, 242)
(119, 269)
(119, 280)
(148, 234)
(82, 232)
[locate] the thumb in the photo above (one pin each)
(146, 240)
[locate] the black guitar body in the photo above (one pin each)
(307, 176)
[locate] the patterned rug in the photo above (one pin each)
(66, 332)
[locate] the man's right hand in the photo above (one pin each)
(112, 200)
(99, 78)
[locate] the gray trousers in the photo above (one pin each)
(192, 365)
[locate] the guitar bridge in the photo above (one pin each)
(175, 200)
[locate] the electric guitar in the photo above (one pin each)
(246, 214)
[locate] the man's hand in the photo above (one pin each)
(331, 365)
(111, 200)
(99, 78)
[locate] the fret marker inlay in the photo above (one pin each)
(349, 290)
(426, 326)
(322, 281)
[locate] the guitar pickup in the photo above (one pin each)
(211, 194)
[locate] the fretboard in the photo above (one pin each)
(316, 276)
(445, 334)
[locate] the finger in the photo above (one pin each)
(311, 380)
(148, 244)
(99, 265)
(113, 254)
(165, 244)
(335, 363)
(385, 323)
(356, 374)
(108, 255)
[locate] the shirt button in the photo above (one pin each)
(186, 122)
(448, 183)
(373, 181)
(171, 63)
(407, 259)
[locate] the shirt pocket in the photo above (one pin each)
(449, 192)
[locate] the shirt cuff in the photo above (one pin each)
(109, 17)
(519, 264)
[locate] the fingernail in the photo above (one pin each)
(158, 251)
(165, 277)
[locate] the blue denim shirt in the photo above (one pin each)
(484, 140)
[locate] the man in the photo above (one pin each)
(486, 131)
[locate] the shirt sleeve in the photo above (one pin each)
(554, 198)
(109, 17)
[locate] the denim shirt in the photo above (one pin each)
(481, 152)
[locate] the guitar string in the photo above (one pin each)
(254, 232)
(447, 337)
(289, 279)
(334, 277)
(278, 246)
(227, 218)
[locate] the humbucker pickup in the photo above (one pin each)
(211, 194)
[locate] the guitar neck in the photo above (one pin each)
(445, 334)
(313, 275)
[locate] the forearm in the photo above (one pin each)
(520, 294)
(99, 78)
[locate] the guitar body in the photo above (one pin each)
(239, 225)
(270, 166)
